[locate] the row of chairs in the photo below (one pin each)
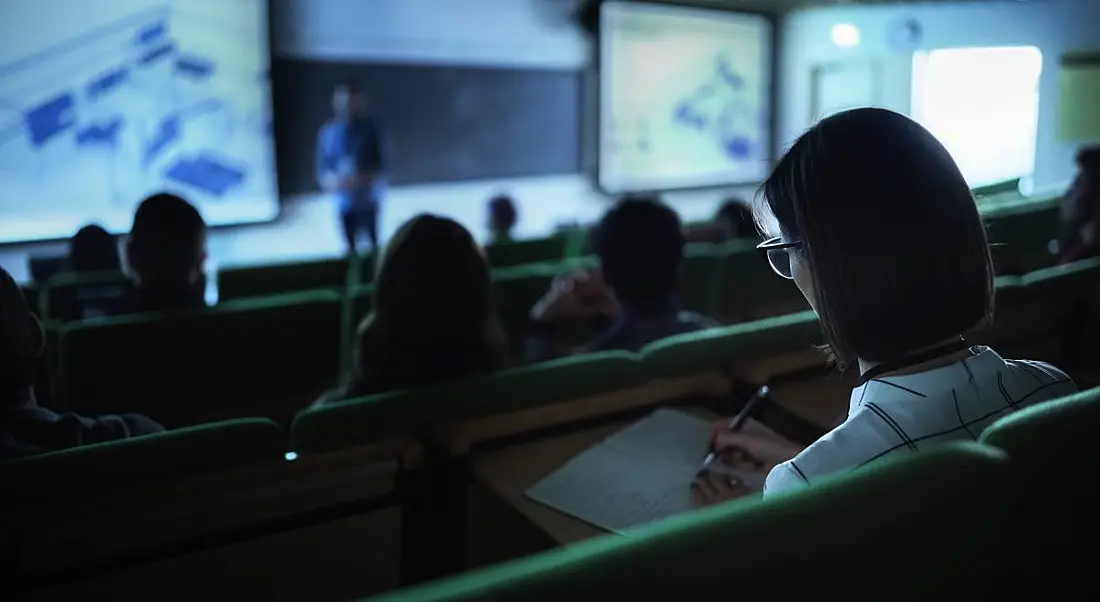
(229, 509)
(973, 520)
(380, 445)
(1024, 229)
(272, 356)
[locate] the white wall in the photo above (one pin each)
(1054, 26)
(493, 33)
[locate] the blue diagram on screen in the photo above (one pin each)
(135, 96)
(722, 109)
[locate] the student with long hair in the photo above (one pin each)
(433, 319)
(879, 231)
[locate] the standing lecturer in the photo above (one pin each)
(351, 163)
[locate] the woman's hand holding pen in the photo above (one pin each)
(754, 444)
(755, 448)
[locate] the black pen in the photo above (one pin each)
(738, 421)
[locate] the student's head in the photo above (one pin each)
(167, 244)
(434, 319)
(735, 216)
(881, 235)
(1088, 160)
(21, 341)
(93, 249)
(640, 244)
(1085, 200)
(502, 216)
(348, 98)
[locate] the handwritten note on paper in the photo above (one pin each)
(640, 474)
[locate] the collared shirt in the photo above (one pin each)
(346, 147)
(906, 413)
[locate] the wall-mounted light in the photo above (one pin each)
(845, 35)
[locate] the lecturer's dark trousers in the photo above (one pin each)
(362, 219)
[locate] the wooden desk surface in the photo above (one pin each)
(508, 473)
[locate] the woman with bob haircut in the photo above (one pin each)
(879, 231)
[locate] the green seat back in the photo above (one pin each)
(45, 379)
(516, 291)
(1023, 233)
(997, 188)
(719, 348)
(367, 264)
(1061, 283)
(523, 252)
(362, 300)
(30, 295)
(358, 421)
(750, 289)
(265, 357)
(1053, 446)
(238, 282)
(1058, 434)
(921, 527)
(577, 241)
(699, 278)
(65, 293)
(164, 456)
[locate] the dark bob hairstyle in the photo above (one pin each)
(890, 232)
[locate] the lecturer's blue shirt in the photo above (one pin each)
(346, 146)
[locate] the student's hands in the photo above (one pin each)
(576, 296)
(755, 446)
(711, 488)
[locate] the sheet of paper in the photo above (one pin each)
(640, 474)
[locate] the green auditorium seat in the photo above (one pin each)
(517, 289)
(367, 264)
(45, 382)
(183, 452)
(216, 510)
(1053, 447)
(779, 351)
(1062, 282)
(63, 295)
(1057, 302)
(1022, 234)
(362, 300)
(577, 242)
(62, 483)
(718, 349)
(997, 189)
(523, 252)
(700, 278)
(750, 289)
(237, 282)
(30, 295)
(347, 423)
(920, 527)
(266, 357)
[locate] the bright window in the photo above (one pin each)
(983, 105)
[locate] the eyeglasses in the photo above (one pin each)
(779, 255)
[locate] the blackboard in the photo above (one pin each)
(443, 123)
